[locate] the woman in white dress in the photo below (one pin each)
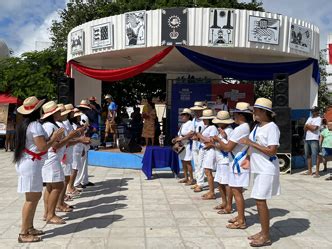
(224, 122)
(264, 165)
(207, 155)
(75, 119)
(52, 172)
(32, 144)
(238, 165)
(184, 134)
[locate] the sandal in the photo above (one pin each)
(305, 173)
(184, 180)
(233, 220)
(189, 183)
(28, 238)
(255, 236)
(236, 225)
(257, 243)
(68, 198)
(223, 211)
(35, 232)
(220, 206)
(198, 189)
(209, 197)
(64, 209)
(329, 178)
(56, 221)
(194, 186)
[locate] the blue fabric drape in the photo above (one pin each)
(249, 71)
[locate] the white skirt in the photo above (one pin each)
(208, 159)
(67, 167)
(239, 180)
(265, 186)
(222, 174)
(186, 154)
(77, 161)
(53, 172)
(29, 176)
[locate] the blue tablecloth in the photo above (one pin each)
(159, 157)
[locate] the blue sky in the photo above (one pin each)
(23, 22)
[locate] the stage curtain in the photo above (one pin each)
(249, 71)
(116, 74)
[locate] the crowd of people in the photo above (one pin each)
(235, 148)
(52, 142)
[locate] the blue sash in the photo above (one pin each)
(224, 153)
(237, 159)
(271, 158)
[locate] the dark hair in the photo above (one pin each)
(249, 119)
(21, 130)
(74, 120)
(49, 119)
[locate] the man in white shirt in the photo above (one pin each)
(312, 132)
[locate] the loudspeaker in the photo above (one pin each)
(280, 81)
(129, 146)
(283, 120)
(66, 90)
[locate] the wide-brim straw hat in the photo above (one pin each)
(108, 96)
(207, 114)
(84, 104)
(67, 109)
(186, 111)
(92, 98)
(242, 107)
(223, 117)
(198, 106)
(30, 105)
(49, 109)
(265, 104)
(77, 112)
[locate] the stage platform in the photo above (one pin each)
(114, 158)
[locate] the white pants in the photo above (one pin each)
(82, 173)
(199, 170)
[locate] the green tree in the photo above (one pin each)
(34, 73)
(324, 96)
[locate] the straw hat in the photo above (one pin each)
(264, 103)
(77, 112)
(67, 109)
(198, 106)
(223, 117)
(207, 114)
(108, 96)
(92, 98)
(49, 109)
(30, 105)
(85, 104)
(186, 111)
(242, 107)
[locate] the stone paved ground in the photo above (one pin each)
(124, 210)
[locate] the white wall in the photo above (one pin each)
(86, 87)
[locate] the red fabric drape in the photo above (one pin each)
(6, 98)
(330, 53)
(117, 74)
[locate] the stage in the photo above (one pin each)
(114, 158)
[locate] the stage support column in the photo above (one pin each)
(86, 87)
(303, 90)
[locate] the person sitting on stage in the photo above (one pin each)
(184, 134)
(264, 166)
(206, 153)
(224, 122)
(238, 165)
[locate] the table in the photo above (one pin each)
(159, 157)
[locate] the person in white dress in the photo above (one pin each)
(75, 119)
(184, 135)
(198, 126)
(225, 129)
(264, 165)
(32, 144)
(238, 165)
(207, 155)
(52, 171)
(82, 179)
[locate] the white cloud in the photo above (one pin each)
(24, 22)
